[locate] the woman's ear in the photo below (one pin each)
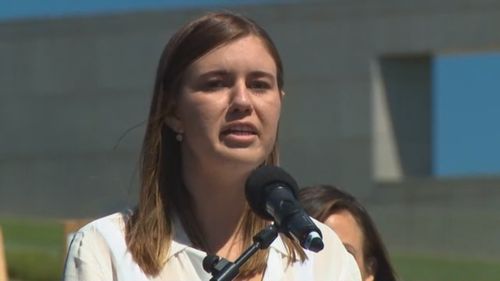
(173, 121)
(371, 267)
(369, 277)
(282, 94)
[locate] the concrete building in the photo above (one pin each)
(74, 96)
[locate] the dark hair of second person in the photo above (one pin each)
(336, 208)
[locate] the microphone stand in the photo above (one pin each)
(224, 270)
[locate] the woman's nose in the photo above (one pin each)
(240, 98)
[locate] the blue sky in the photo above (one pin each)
(467, 112)
(15, 9)
(466, 87)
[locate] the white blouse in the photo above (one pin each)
(98, 252)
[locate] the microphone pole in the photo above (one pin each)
(224, 270)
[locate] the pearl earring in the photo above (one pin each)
(179, 137)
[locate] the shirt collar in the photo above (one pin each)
(181, 241)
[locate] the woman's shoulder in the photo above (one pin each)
(102, 234)
(330, 238)
(116, 220)
(334, 257)
(94, 234)
(333, 262)
(89, 253)
(97, 249)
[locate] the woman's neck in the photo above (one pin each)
(219, 204)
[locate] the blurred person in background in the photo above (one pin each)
(349, 219)
(213, 120)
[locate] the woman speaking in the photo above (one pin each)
(213, 119)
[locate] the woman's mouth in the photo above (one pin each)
(239, 134)
(239, 130)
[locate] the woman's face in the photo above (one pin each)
(229, 106)
(351, 235)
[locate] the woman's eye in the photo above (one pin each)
(213, 85)
(260, 85)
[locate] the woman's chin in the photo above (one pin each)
(245, 156)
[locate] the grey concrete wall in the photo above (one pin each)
(70, 88)
(455, 217)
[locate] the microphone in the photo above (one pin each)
(272, 194)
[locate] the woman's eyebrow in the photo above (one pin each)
(260, 73)
(350, 249)
(217, 72)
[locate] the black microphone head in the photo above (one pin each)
(261, 181)
(209, 263)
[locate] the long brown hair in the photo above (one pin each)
(149, 229)
(321, 201)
